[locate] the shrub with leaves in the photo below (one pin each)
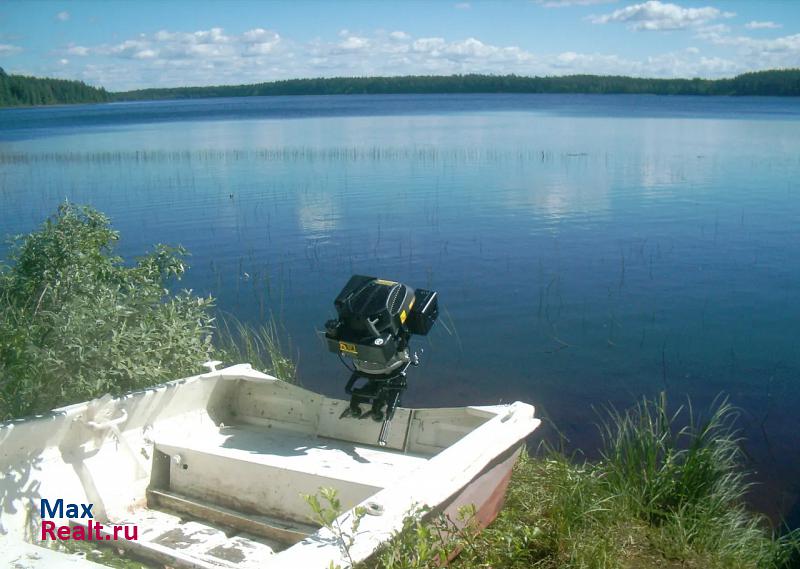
(76, 322)
(327, 515)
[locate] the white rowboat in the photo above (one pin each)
(211, 470)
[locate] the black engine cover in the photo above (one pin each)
(376, 318)
(371, 306)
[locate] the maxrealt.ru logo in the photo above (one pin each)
(81, 526)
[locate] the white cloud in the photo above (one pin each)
(429, 45)
(127, 49)
(657, 16)
(214, 35)
(8, 49)
(715, 30)
(755, 53)
(259, 35)
(146, 54)
(677, 64)
(260, 41)
(462, 5)
(352, 43)
(568, 3)
(64, 61)
(78, 50)
(62, 16)
(784, 44)
(756, 25)
(212, 44)
(263, 48)
(213, 57)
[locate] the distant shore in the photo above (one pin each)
(18, 90)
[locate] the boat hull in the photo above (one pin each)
(211, 470)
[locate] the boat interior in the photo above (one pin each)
(239, 477)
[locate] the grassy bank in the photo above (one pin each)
(669, 492)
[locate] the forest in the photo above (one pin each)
(18, 90)
(784, 82)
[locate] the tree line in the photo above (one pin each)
(20, 90)
(785, 82)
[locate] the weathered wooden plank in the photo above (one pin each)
(279, 530)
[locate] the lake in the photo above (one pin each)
(588, 250)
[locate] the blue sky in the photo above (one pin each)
(126, 45)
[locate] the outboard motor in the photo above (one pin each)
(376, 319)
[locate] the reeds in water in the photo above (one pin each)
(259, 346)
(428, 154)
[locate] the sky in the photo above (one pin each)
(124, 45)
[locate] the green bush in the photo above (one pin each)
(76, 322)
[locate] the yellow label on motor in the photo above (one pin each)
(348, 347)
(384, 282)
(413, 300)
(403, 317)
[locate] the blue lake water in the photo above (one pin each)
(588, 250)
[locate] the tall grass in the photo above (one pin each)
(260, 346)
(684, 476)
(668, 492)
(660, 466)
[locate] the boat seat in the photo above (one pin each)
(266, 471)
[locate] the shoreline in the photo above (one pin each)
(771, 83)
